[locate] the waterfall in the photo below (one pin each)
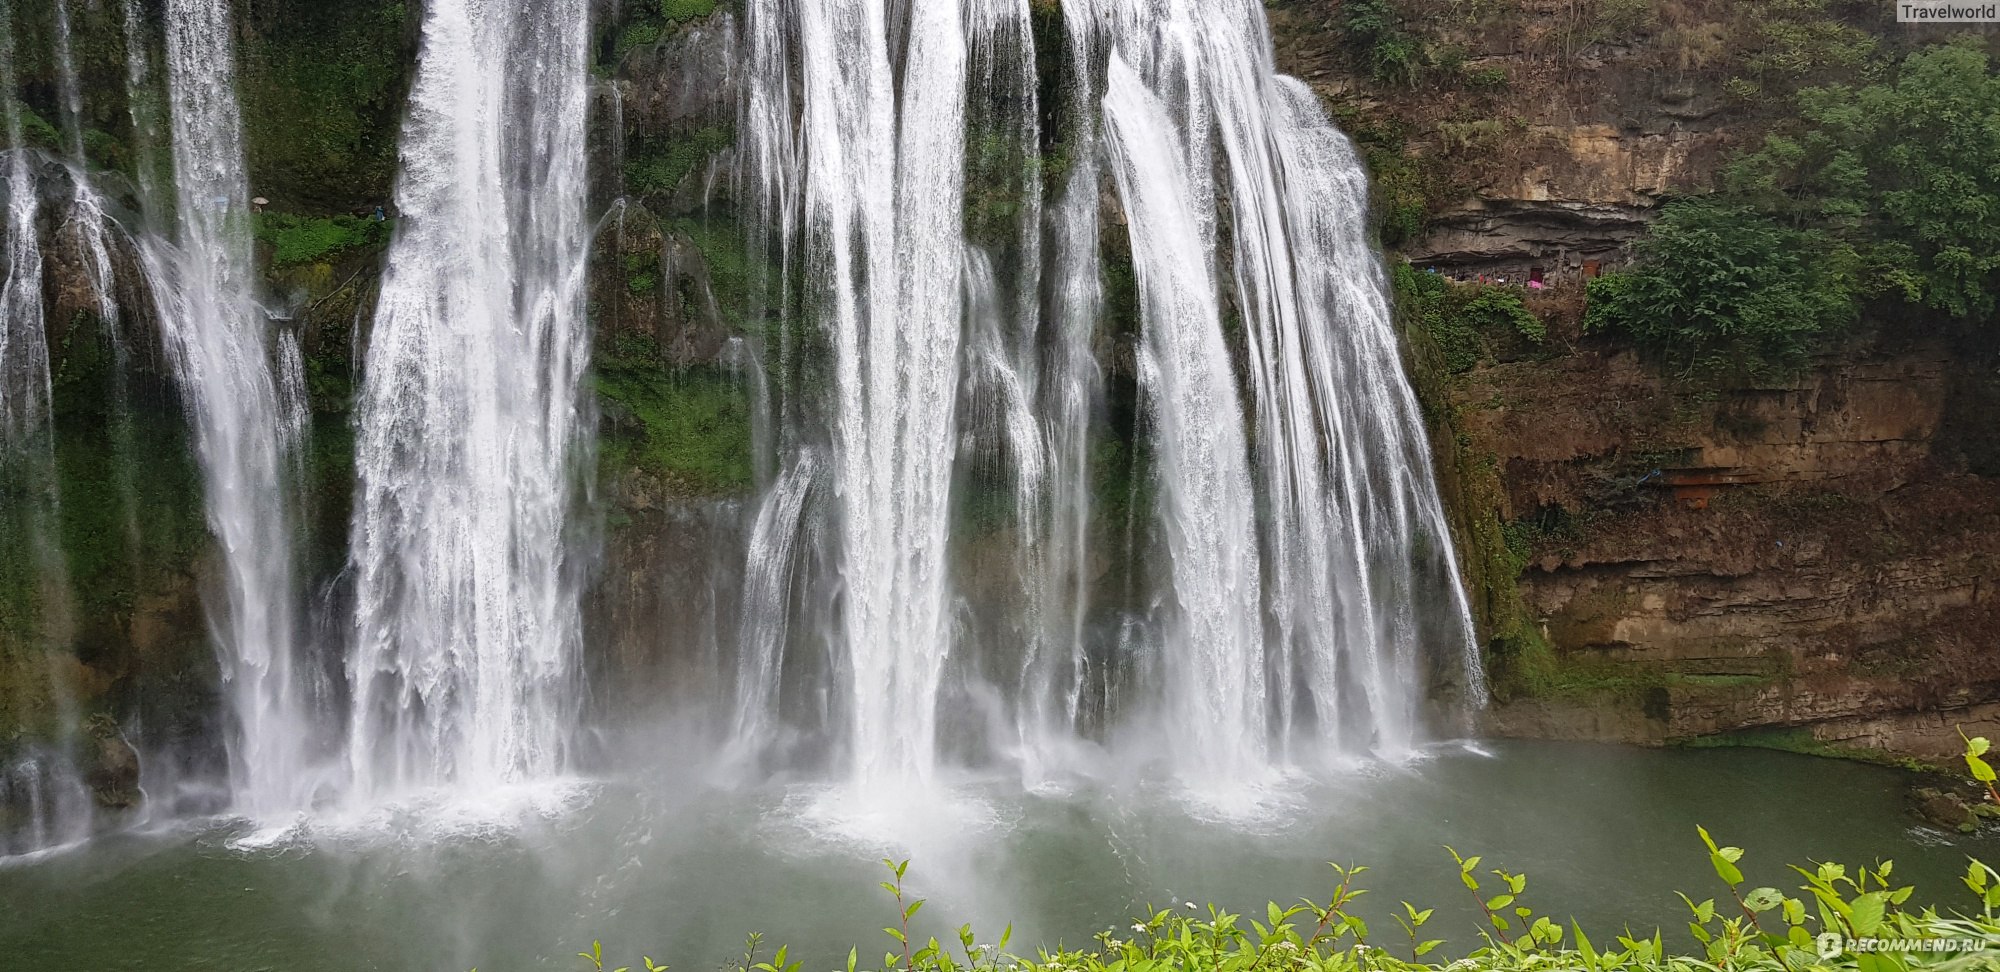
(1358, 574)
(879, 181)
(53, 803)
(1055, 668)
(39, 787)
(240, 378)
(770, 566)
(1308, 594)
(87, 217)
(473, 428)
(24, 355)
(1213, 662)
(943, 349)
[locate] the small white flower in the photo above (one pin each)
(1190, 906)
(1141, 929)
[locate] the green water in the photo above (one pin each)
(683, 871)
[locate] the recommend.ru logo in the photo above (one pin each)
(1833, 945)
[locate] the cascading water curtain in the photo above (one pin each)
(1300, 569)
(41, 791)
(25, 391)
(1356, 575)
(878, 176)
(474, 431)
(241, 379)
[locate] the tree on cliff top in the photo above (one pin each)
(1907, 172)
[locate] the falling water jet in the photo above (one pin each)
(474, 432)
(243, 399)
(41, 785)
(1213, 659)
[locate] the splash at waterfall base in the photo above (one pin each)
(683, 873)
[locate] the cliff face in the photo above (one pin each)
(1810, 564)
(1806, 556)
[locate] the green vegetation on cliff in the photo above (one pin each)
(298, 240)
(676, 11)
(129, 486)
(1441, 342)
(689, 426)
(105, 529)
(1722, 292)
(658, 167)
(649, 20)
(1467, 321)
(322, 87)
(1883, 193)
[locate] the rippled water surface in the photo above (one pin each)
(522, 880)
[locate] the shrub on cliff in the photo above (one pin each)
(1377, 40)
(1725, 293)
(1468, 322)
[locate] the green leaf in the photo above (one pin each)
(1725, 869)
(1590, 957)
(1499, 901)
(1866, 913)
(1763, 899)
(1424, 948)
(1981, 770)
